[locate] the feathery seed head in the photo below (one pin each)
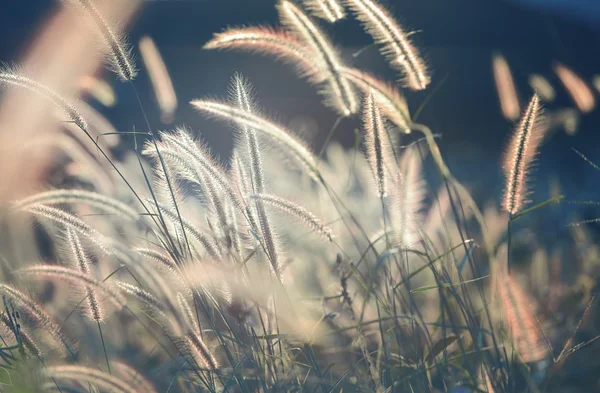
(519, 156)
(340, 93)
(14, 78)
(299, 212)
(376, 139)
(329, 10)
(36, 313)
(160, 79)
(521, 321)
(279, 134)
(386, 95)
(77, 278)
(103, 381)
(407, 200)
(70, 221)
(396, 46)
(146, 297)
(120, 58)
(72, 196)
(241, 95)
(505, 86)
(200, 352)
(580, 92)
(94, 309)
(266, 40)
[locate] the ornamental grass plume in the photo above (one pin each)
(519, 156)
(395, 44)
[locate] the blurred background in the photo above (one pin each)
(457, 37)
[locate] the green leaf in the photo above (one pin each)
(5, 378)
(556, 199)
(439, 257)
(446, 285)
(439, 346)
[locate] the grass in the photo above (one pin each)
(340, 272)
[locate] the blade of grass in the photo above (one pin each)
(447, 285)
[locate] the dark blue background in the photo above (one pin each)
(457, 37)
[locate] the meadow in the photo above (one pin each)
(139, 260)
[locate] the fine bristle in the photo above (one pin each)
(141, 294)
(194, 162)
(27, 341)
(133, 377)
(188, 313)
(329, 10)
